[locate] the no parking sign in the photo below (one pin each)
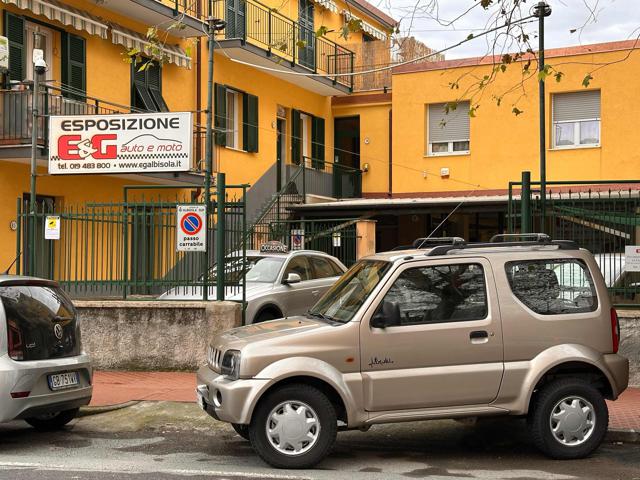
(191, 228)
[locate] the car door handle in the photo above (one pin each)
(479, 336)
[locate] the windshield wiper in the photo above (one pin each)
(322, 316)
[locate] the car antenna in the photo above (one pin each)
(426, 239)
(6, 272)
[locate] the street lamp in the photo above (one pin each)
(542, 10)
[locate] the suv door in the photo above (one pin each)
(446, 349)
(298, 297)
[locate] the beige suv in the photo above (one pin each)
(511, 327)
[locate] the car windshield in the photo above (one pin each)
(258, 269)
(348, 294)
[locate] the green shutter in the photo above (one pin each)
(154, 84)
(140, 95)
(296, 137)
(250, 124)
(317, 143)
(220, 114)
(14, 31)
(74, 65)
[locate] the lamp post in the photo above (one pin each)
(214, 25)
(542, 10)
(39, 67)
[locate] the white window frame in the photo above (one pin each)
(576, 134)
(233, 119)
(450, 151)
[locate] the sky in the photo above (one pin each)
(615, 20)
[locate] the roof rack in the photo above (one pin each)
(421, 242)
(540, 239)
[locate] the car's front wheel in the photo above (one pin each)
(52, 421)
(569, 419)
(294, 427)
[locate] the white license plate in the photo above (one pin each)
(63, 380)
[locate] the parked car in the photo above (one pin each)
(45, 377)
(519, 328)
(278, 283)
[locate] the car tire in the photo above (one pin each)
(568, 419)
(317, 415)
(54, 421)
(265, 317)
(242, 430)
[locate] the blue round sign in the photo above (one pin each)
(191, 223)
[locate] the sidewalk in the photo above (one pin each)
(111, 388)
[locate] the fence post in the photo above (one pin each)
(270, 21)
(304, 179)
(365, 238)
(18, 235)
(220, 236)
(335, 63)
(525, 203)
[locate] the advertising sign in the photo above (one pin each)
(134, 143)
(632, 258)
(297, 239)
(192, 228)
(4, 54)
(52, 227)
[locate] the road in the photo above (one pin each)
(170, 441)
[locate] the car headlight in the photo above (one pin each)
(230, 366)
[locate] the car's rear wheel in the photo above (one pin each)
(294, 427)
(242, 430)
(569, 419)
(52, 421)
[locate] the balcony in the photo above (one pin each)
(191, 13)
(16, 122)
(257, 34)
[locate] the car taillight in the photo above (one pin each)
(16, 345)
(615, 330)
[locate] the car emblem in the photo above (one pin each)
(57, 330)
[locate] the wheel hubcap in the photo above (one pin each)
(293, 428)
(572, 421)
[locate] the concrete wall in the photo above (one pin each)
(630, 342)
(153, 335)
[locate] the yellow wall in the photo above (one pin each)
(503, 144)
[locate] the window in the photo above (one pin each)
(324, 268)
(446, 293)
(299, 265)
(576, 119)
(147, 87)
(551, 287)
(448, 133)
(233, 119)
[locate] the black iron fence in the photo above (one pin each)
(266, 28)
(601, 216)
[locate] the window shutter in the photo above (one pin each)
(154, 84)
(220, 114)
(574, 106)
(14, 30)
(317, 143)
(451, 127)
(296, 137)
(250, 127)
(141, 98)
(74, 65)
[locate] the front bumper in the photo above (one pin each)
(228, 400)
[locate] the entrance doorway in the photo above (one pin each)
(347, 157)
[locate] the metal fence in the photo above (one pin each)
(128, 249)
(603, 217)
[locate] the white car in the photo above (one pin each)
(277, 284)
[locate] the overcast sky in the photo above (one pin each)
(616, 20)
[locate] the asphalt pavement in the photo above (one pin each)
(175, 441)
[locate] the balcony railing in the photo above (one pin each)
(262, 26)
(16, 115)
(326, 179)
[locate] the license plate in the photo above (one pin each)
(60, 381)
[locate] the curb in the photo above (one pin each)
(623, 436)
(88, 411)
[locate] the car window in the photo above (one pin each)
(300, 265)
(322, 267)
(443, 293)
(551, 287)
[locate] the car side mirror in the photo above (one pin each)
(388, 315)
(292, 278)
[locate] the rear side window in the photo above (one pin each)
(323, 268)
(552, 287)
(41, 323)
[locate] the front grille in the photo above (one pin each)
(214, 357)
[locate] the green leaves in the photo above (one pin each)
(544, 73)
(352, 26)
(486, 3)
(322, 31)
(587, 80)
(516, 111)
